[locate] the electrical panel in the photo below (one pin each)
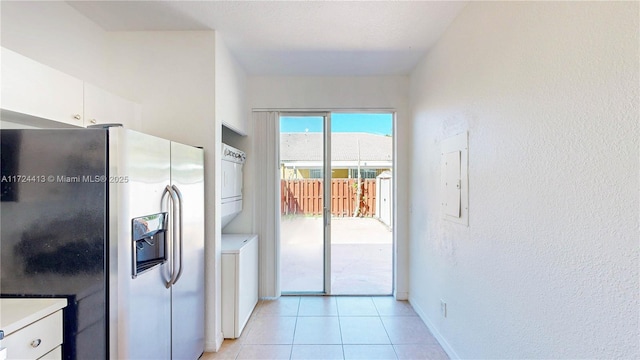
(455, 180)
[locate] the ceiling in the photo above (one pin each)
(296, 38)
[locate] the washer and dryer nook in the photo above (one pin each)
(232, 162)
(239, 251)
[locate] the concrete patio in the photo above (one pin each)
(361, 256)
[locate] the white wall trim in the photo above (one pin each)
(402, 295)
(235, 129)
(215, 345)
(434, 331)
(331, 109)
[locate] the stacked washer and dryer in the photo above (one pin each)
(239, 251)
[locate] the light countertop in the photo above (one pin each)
(16, 313)
(233, 243)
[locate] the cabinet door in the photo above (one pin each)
(103, 107)
(31, 88)
(247, 283)
(229, 294)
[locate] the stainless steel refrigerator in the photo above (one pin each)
(112, 220)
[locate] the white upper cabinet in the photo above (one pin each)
(31, 88)
(103, 107)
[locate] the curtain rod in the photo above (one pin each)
(350, 109)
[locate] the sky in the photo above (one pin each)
(380, 124)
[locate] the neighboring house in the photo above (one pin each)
(301, 155)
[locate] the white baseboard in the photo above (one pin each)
(443, 342)
(401, 295)
(214, 346)
(219, 340)
(210, 346)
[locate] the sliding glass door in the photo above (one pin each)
(336, 204)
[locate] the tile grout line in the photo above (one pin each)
(393, 346)
(247, 331)
(295, 328)
(385, 329)
(253, 319)
(339, 315)
(339, 326)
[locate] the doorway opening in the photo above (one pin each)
(336, 173)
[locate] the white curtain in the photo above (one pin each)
(266, 142)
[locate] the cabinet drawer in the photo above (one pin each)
(35, 340)
(55, 354)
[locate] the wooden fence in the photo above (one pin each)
(304, 197)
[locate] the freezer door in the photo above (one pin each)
(140, 307)
(52, 233)
(187, 176)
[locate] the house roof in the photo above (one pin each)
(344, 147)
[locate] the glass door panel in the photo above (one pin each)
(302, 223)
(361, 204)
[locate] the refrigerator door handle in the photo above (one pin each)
(167, 190)
(180, 232)
(174, 238)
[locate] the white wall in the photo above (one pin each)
(55, 34)
(328, 92)
(171, 75)
(354, 93)
(548, 267)
(231, 89)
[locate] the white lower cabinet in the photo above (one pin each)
(32, 328)
(239, 281)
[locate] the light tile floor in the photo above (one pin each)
(361, 256)
(332, 327)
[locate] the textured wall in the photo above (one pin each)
(548, 266)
